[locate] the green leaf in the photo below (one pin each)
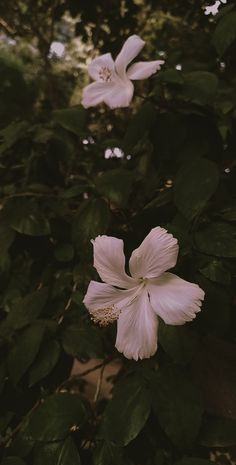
(55, 417)
(26, 218)
(195, 184)
(64, 252)
(45, 361)
(25, 310)
(91, 220)
(218, 432)
(179, 342)
(200, 87)
(193, 461)
(82, 341)
(12, 461)
(24, 351)
(216, 272)
(217, 239)
(57, 454)
(225, 33)
(116, 186)
(72, 119)
(139, 125)
(7, 236)
(170, 76)
(130, 407)
(11, 134)
(107, 454)
(177, 404)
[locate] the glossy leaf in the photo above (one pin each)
(56, 416)
(195, 184)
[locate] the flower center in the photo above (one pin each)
(105, 74)
(105, 316)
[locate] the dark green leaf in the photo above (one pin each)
(25, 310)
(200, 86)
(31, 225)
(72, 119)
(140, 124)
(24, 351)
(193, 461)
(12, 461)
(45, 361)
(195, 183)
(55, 417)
(65, 453)
(217, 239)
(82, 341)
(216, 272)
(178, 341)
(170, 76)
(225, 33)
(218, 432)
(116, 186)
(107, 454)
(64, 252)
(6, 238)
(177, 404)
(130, 407)
(91, 220)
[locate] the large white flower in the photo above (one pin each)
(113, 84)
(136, 301)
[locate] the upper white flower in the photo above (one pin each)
(212, 9)
(136, 301)
(113, 84)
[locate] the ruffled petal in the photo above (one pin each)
(137, 329)
(103, 62)
(109, 261)
(121, 94)
(144, 69)
(104, 302)
(157, 253)
(131, 48)
(174, 299)
(94, 93)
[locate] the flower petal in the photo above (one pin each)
(94, 93)
(157, 253)
(174, 299)
(120, 95)
(109, 261)
(104, 61)
(131, 48)
(137, 329)
(104, 302)
(144, 69)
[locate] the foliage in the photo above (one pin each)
(176, 168)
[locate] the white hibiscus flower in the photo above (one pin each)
(212, 9)
(136, 301)
(113, 84)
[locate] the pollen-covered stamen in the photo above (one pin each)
(105, 74)
(105, 316)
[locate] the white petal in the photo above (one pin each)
(104, 302)
(109, 261)
(131, 48)
(157, 253)
(121, 94)
(137, 329)
(94, 93)
(144, 69)
(174, 299)
(104, 61)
